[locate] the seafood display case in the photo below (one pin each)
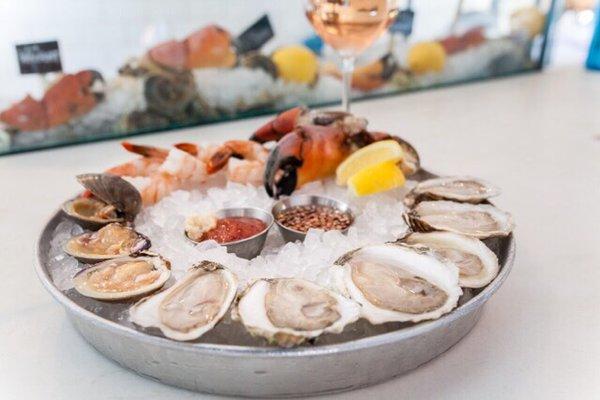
(108, 69)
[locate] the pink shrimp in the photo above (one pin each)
(187, 166)
(245, 161)
(170, 170)
(148, 164)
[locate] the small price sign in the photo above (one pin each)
(255, 36)
(39, 58)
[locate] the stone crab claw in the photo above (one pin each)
(208, 47)
(278, 127)
(71, 96)
(286, 121)
(306, 154)
(312, 144)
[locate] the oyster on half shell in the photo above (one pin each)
(477, 264)
(395, 282)
(289, 311)
(192, 306)
(475, 220)
(123, 278)
(458, 188)
(112, 241)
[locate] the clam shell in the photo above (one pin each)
(160, 264)
(86, 222)
(114, 190)
(141, 244)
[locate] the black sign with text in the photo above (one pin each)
(255, 36)
(39, 58)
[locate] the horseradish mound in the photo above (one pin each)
(378, 220)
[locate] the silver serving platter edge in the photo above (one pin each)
(266, 371)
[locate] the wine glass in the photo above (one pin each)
(350, 26)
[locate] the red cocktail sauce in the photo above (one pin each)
(230, 229)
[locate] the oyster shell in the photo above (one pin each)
(111, 241)
(115, 200)
(394, 282)
(289, 311)
(411, 163)
(457, 188)
(477, 264)
(123, 278)
(476, 220)
(192, 306)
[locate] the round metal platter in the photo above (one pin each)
(229, 361)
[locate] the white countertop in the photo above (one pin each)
(536, 136)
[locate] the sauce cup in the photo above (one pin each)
(249, 247)
(290, 234)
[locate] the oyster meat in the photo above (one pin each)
(477, 264)
(475, 220)
(115, 200)
(395, 282)
(457, 188)
(192, 306)
(112, 241)
(289, 311)
(123, 278)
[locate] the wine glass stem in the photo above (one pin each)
(347, 70)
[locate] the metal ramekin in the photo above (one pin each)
(252, 246)
(291, 235)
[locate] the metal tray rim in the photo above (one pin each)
(271, 352)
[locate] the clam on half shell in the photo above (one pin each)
(192, 306)
(477, 264)
(395, 282)
(123, 278)
(91, 213)
(476, 220)
(112, 241)
(458, 188)
(115, 200)
(289, 311)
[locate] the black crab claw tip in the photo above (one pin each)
(281, 175)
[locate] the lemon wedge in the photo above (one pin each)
(376, 178)
(375, 153)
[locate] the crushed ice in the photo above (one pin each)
(61, 266)
(378, 219)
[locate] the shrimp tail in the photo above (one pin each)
(146, 151)
(219, 159)
(189, 148)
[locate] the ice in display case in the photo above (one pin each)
(76, 72)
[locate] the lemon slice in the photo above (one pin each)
(376, 178)
(375, 153)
